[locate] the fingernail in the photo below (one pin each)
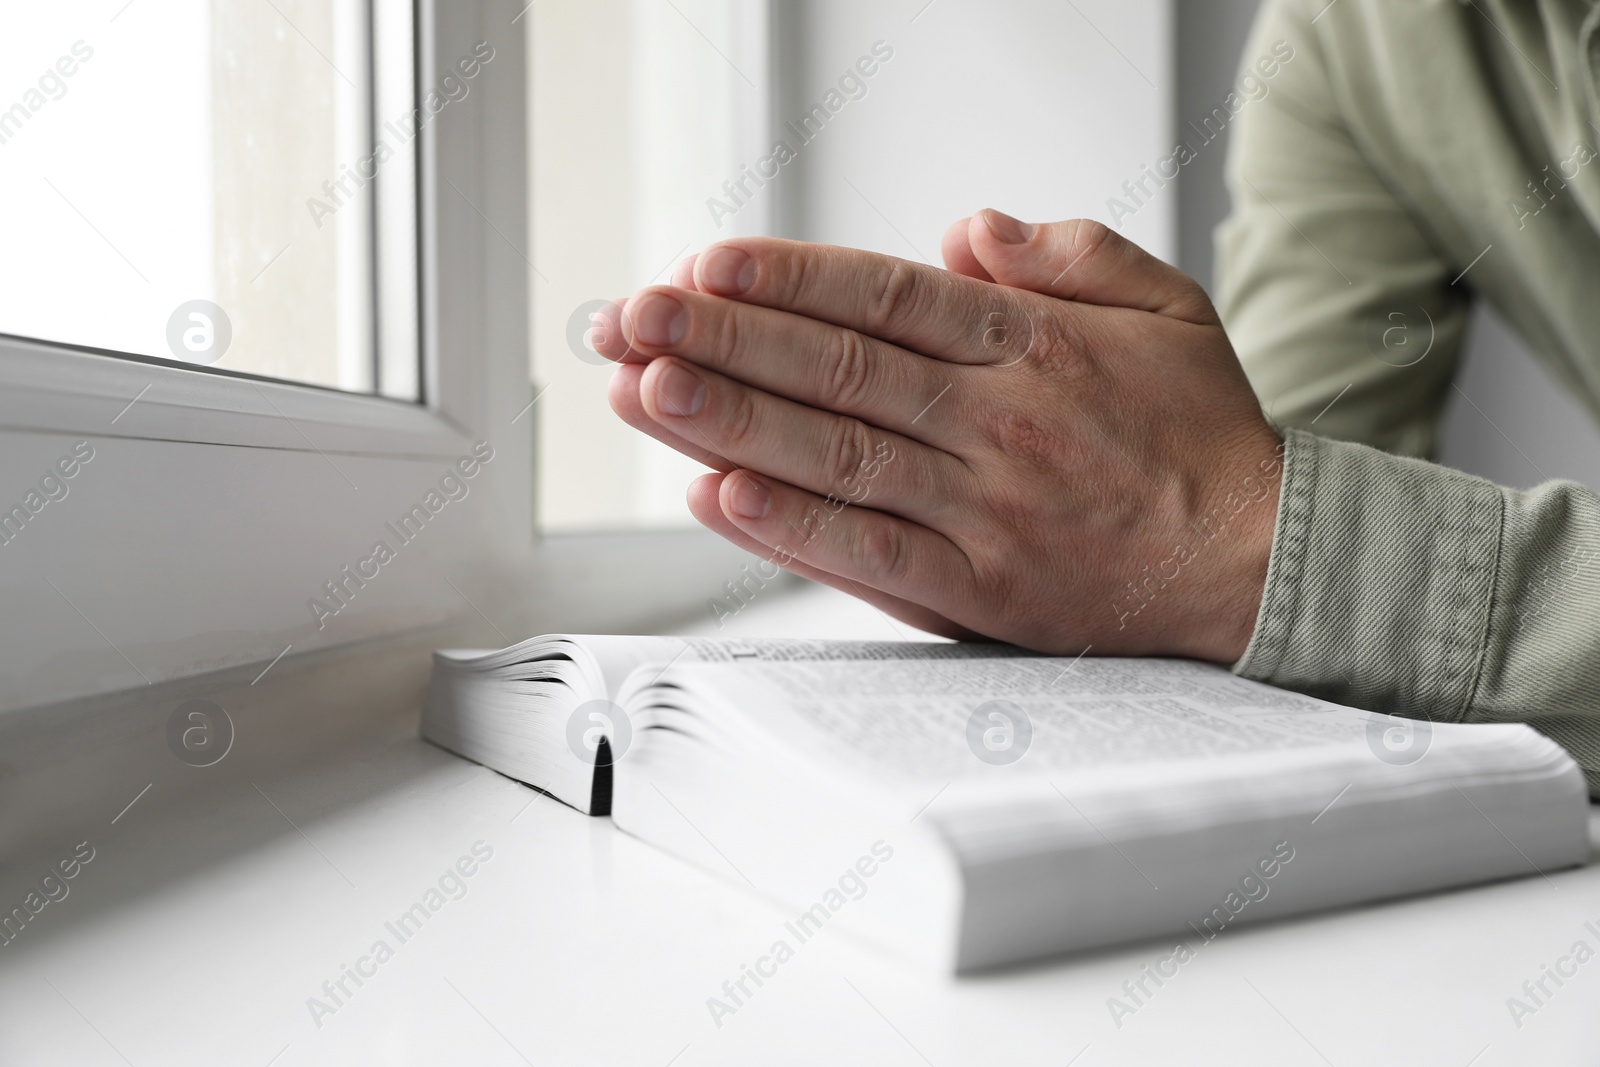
(1006, 230)
(749, 498)
(727, 271)
(658, 319)
(679, 391)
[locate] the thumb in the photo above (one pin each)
(1083, 260)
(957, 251)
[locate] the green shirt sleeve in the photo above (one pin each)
(1400, 586)
(1395, 584)
(1338, 302)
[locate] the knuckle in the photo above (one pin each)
(1059, 347)
(1194, 305)
(849, 376)
(1025, 437)
(847, 452)
(1087, 237)
(729, 336)
(886, 551)
(895, 298)
(794, 279)
(738, 421)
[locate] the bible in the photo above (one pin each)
(972, 805)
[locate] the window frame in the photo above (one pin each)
(170, 423)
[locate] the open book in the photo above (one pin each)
(976, 805)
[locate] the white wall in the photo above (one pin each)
(1041, 109)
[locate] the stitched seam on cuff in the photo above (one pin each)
(1280, 600)
(1485, 616)
(1449, 649)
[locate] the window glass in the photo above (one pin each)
(195, 180)
(626, 157)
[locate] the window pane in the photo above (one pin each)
(198, 182)
(623, 164)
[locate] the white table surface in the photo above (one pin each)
(206, 920)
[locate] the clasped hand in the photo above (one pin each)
(1050, 443)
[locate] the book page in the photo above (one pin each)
(929, 719)
(788, 650)
(618, 656)
(596, 665)
(1081, 801)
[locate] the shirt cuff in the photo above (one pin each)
(1380, 583)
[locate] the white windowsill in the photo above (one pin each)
(236, 891)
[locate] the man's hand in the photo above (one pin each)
(1080, 464)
